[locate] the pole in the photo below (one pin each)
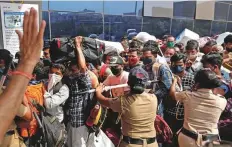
(49, 21)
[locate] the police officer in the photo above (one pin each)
(137, 110)
(202, 109)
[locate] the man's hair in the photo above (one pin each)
(152, 46)
(228, 39)
(207, 79)
(179, 45)
(211, 43)
(113, 53)
(179, 56)
(213, 59)
(58, 66)
(192, 44)
(134, 46)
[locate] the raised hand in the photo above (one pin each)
(31, 40)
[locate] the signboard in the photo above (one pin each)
(12, 16)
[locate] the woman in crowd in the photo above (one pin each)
(202, 109)
(137, 109)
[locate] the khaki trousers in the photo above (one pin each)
(124, 144)
(185, 141)
(13, 141)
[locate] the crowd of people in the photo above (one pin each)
(186, 85)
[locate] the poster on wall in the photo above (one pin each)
(12, 19)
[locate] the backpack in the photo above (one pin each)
(63, 49)
(163, 131)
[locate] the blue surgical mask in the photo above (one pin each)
(177, 69)
(147, 61)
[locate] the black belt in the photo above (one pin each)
(130, 140)
(193, 135)
(10, 132)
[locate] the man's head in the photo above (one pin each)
(228, 43)
(46, 52)
(178, 63)
(206, 78)
(134, 53)
(57, 69)
(180, 46)
(116, 65)
(137, 80)
(4, 58)
(106, 57)
(150, 52)
(208, 46)
(170, 41)
(212, 61)
(217, 49)
(192, 49)
(169, 52)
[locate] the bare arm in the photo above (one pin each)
(103, 100)
(80, 57)
(31, 43)
(172, 91)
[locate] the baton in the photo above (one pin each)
(107, 88)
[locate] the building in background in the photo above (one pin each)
(111, 19)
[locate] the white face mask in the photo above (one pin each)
(53, 80)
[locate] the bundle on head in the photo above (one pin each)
(63, 49)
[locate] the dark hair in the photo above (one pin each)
(134, 46)
(124, 38)
(58, 66)
(113, 53)
(211, 43)
(178, 56)
(152, 46)
(213, 59)
(207, 79)
(228, 39)
(179, 45)
(192, 44)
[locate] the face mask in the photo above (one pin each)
(133, 61)
(229, 49)
(115, 70)
(191, 56)
(53, 80)
(177, 69)
(170, 44)
(147, 60)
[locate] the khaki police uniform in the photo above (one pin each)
(138, 116)
(15, 140)
(202, 110)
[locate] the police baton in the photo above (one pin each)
(107, 88)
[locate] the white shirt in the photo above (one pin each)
(197, 63)
(161, 60)
(53, 102)
(113, 80)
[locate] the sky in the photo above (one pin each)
(111, 7)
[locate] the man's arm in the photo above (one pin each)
(80, 57)
(172, 91)
(31, 44)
